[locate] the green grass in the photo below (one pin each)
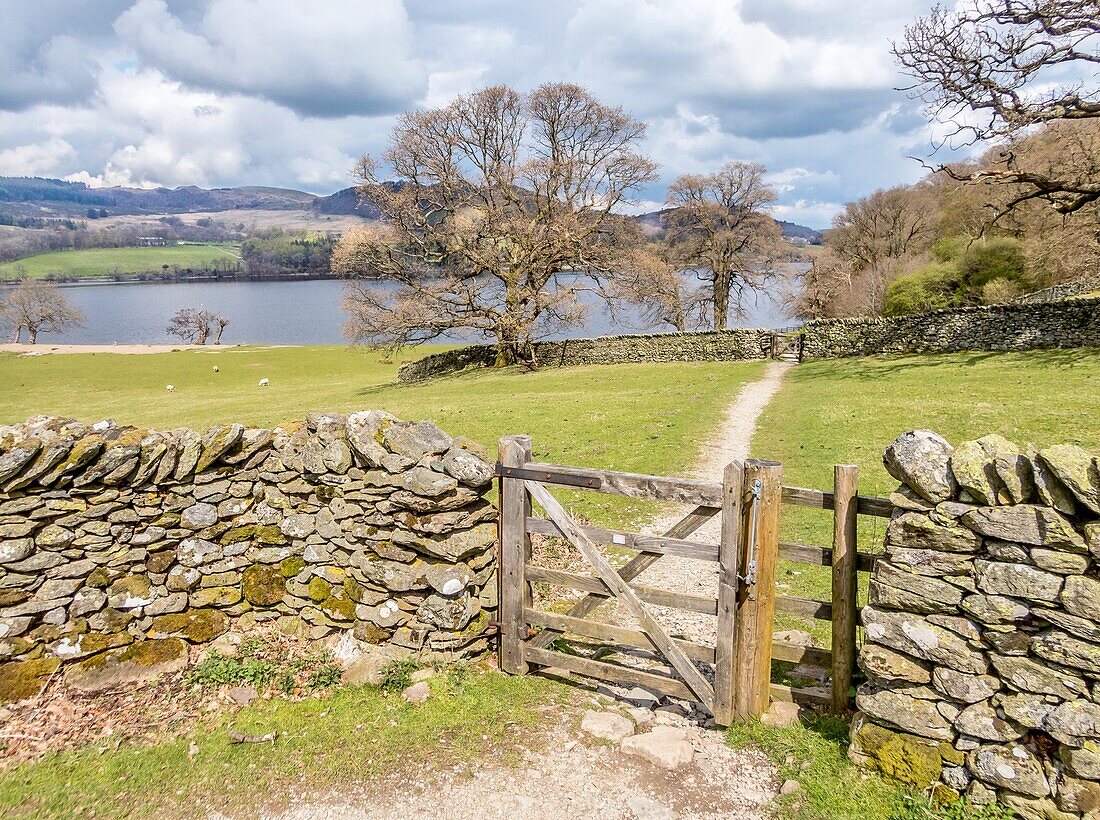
(341, 741)
(111, 261)
(637, 417)
(814, 752)
(845, 411)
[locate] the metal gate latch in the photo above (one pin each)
(750, 576)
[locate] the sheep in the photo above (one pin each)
(215, 368)
(170, 388)
(263, 382)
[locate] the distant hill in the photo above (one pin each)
(345, 202)
(653, 225)
(36, 195)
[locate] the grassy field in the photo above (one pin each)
(112, 261)
(340, 741)
(639, 417)
(846, 411)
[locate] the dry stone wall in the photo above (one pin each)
(1064, 324)
(120, 547)
(982, 630)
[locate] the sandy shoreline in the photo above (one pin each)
(45, 349)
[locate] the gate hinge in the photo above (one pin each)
(749, 578)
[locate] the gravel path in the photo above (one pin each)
(564, 772)
(701, 577)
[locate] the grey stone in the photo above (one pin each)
(964, 688)
(1081, 628)
(173, 602)
(898, 589)
(1050, 490)
(426, 482)
(1028, 710)
(299, 525)
(980, 720)
(1018, 580)
(1026, 524)
(666, 746)
(957, 777)
(930, 562)
(1076, 468)
(182, 579)
(414, 441)
(1032, 675)
(918, 717)
(1009, 767)
(447, 612)
(921, 459)
(1083, 761)
(915, 636)
(417, 693)
(918, 531)
(363, 434)
(1059, 561)
(972, 467)
(607, 725)
(199, 516)
(136, 664)
(885, 664)
(1065, 649)
(1034, 808)
(15, 549)
(1074, 721)
(1078, 797)
(1007, 551)
(87, 601)
(466, 468)
(995, 609)
(196, 552)
(1081, 596)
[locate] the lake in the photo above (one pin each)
(288, 313)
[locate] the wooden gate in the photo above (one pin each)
(748, 502)
(786, 346)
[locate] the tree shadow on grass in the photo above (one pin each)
(877, 367)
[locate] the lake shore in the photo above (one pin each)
(47, 349)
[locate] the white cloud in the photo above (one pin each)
(35, 158)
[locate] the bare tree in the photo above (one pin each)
(660, 290)
(719, 224)
(194, 325)
(37, 307)
(992, 68)
(501, 215)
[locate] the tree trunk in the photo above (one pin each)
(18, 333)
(721, 282)
(203, 333)
(32, 334)
(218, 338)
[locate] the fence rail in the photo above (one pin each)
(748, 502)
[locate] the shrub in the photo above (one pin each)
(930, 288)
(984, 262)
(397, 674)
(1000, 291)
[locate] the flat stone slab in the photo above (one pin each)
(139, 663)
(666, 746)
(607, 725)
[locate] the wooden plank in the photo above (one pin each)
(623, 594)
(808, 697)
(610, 632)
(596, 589)
(806, 607)
(610, 672)
(629, 540)
(639, 485)
(725, 650)
(515, 549)
(756, 602)
(821, 556)
(793, 653)
(634, 567)
(845, 589)
(819, 499)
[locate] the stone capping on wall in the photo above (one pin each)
(121, 546)
(1064, 324)
(982, 630)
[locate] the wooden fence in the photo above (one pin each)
(749, 501)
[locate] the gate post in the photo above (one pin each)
(730, 545)
(845, 508)
(762, 490)
(514, 552)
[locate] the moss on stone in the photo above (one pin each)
(24, 679)
(263, 584)
(951, 755)
(11, 597)
(338, 605)
(370, 633)
(292, 566)
(319, 588)
(270, 534)
(196, 625)
(902, 757)
(160, 561)
(98, 578)
(235, 535)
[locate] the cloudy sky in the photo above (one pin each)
(289, 93)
